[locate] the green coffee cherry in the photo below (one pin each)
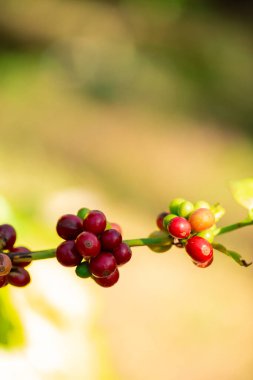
(207, 234)
(82, 270)
(167, 219)
(83, 212)
(201, 204)
(185, 209)
(174, 205)
(160, 248)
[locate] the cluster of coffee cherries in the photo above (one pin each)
(92, 245)
(190, 226)
(13, 273)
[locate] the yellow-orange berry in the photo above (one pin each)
(201, 219)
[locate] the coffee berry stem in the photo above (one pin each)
(162, 241)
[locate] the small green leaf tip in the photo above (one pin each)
(242, 191)
(234, 255)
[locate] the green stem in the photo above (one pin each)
(161, 241)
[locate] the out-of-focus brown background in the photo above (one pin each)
(121, 106)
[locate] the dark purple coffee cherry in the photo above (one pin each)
(103, 264)
(21, 250)
(3, 281)
(95, 222)
(122, 254)
(5, 264)
(107, 281)
(67, 254)
(110, 239)
(69, 226)
(88, 245)
(7, 236)
(19, 277)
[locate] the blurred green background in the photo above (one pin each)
(121, 106)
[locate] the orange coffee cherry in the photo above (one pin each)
(201, 219)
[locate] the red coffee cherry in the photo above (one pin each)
(110, 239)
(201, 219)
(103, 264)
(159, 220)
(21, 250)
(95, 222)
(199, 249)
(69, 226)
(19, 277)
(3, 281)
(205, 264)
(67, 254)
(5, 264)
(7, 236)
(179, 228)
(88, 245)
(108, 281)
(122, 254)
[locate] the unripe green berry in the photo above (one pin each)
(82, 270)
(83, 212)
(108, 226)
(185, 209)
(174, 205)
(207, 234)
(201, 204)
(160, 248)
(167, 219)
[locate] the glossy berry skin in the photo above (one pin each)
(3, 281)
(69, 226)
(207, 234)
(199, 249)
(21, 250)
(107, 281)
(202, 219)
(166, 221)
(19, 277)
(7, 236)
(67, 254)
(179, 228)
(174, 205)
(110, 239)
(185, 209)
(83, 212)
(103, 264)
(122, 254)
(95, 222)
(205, 264)
(159, 220)
(83, 270)
(5, 264)
(88, 245)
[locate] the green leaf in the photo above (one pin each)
(243, 192)
(11, 329)
(234, 255)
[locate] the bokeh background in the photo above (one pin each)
(121, 106)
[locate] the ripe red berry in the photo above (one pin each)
(67, 254)
(3, 281)
(159, 220)
(5, 264)
(19, 277)
(122, 254)
(7, 236)
(205, 264)
(201, 219)
(103, 264)
(199, 249)
(108, 281)
(95, 222)
(21, 250)
(110, 239)
(69, 226)
(179, 228)
(88, 245)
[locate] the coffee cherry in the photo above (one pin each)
(95, 222)
(199, 249)
(69, 226)
(19, 277)
(21, 250)
(185, 209)
(5, 264)
(159, 220)
(67, 254)
(179, 228)
(160, 248)
(83, 270)
(116, 227)
(122, 254)
(201, 204)
(207, 234)
(103, 264)
(205, 264)
(3, 281)
(108, 281)
(167, 219)
(88, 244)
(83, 212)
(110, 239)
(174, 205)
(7, 236)
(201, 219)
